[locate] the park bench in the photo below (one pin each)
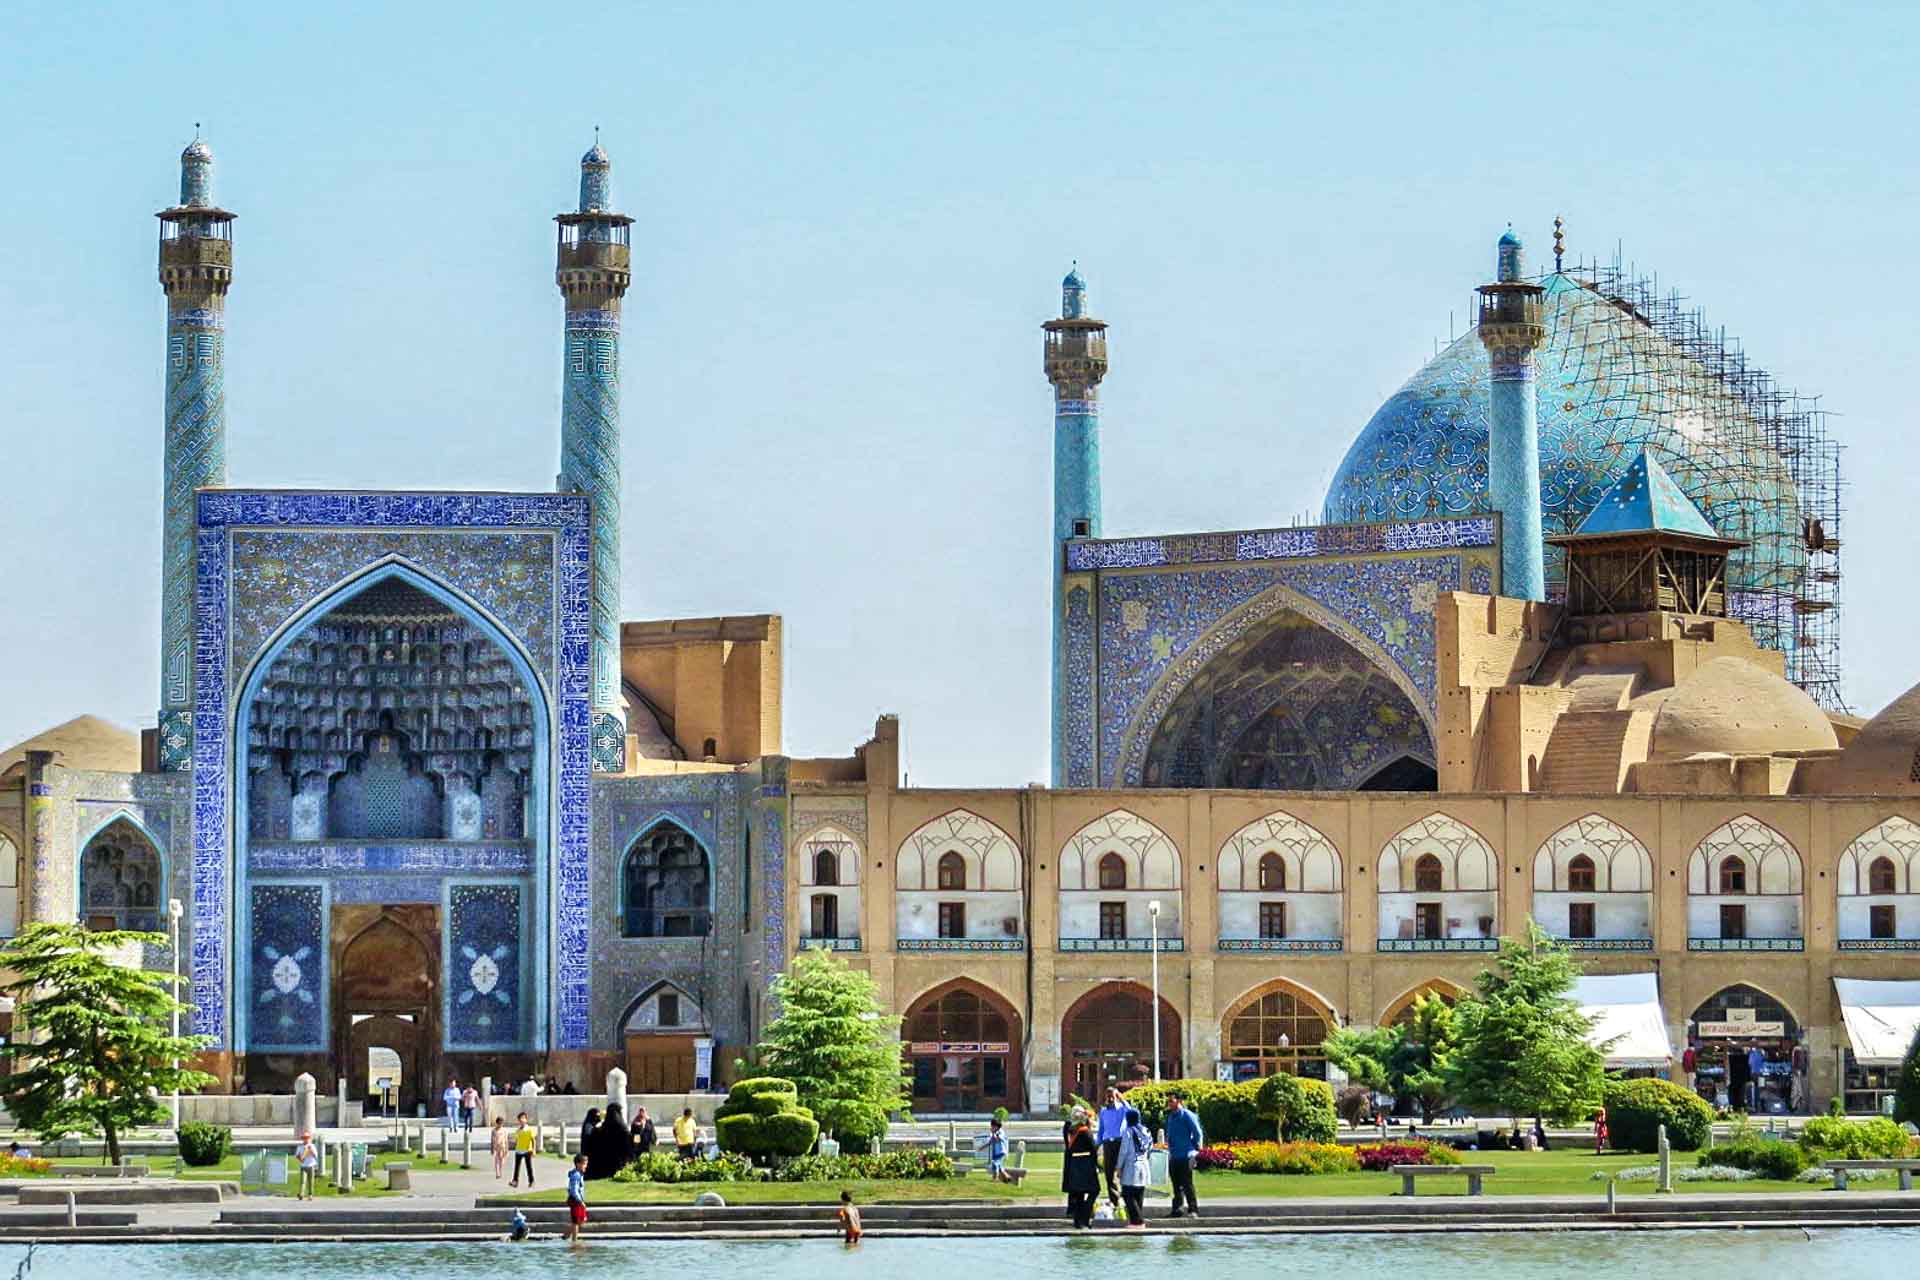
(1473, 1173)
(1841, 1168)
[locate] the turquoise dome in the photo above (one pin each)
(1608, 386)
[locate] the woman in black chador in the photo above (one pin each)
(610, 1149)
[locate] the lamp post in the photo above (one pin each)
(174, 912)
(1153, 953)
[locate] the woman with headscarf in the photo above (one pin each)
(1080, 1174)
(587, 1127)
(1135, 1167)
(612, 1147)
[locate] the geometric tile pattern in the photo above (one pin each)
(288, 934)
(485, 962)
(250, 582)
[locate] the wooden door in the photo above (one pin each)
(659, 1064)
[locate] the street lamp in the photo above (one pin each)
(1153, 952)
(174, 912)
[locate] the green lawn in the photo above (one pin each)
(1560, 1172)
(375, 1184)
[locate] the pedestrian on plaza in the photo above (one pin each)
(502, 1143)
(308, 1158)
(1599, 1130)
(1081, 1174)
(645, 1137)
(612, 1147)
(1136, 1168)
(685, 1134)
(1113, 1122)
(849, 1218)
(1074, 1117)
(587, 1127)
(1184, 1140)
(997, 1151)
(522, 1151)
(1756, 1064)
(450, 1096)
(576, 1198)
(469, 1103)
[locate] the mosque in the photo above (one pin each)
(1563, 649)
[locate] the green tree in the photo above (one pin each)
(1409, 1060)
(1522, 1039)
(94, 1052)
(837, 1043)
(1906, 1097)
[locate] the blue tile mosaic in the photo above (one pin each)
(484, 966)
(442, 532)
(288, 999)
(274, 857)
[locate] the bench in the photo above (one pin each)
(1472, 1172)
(1842, 1167)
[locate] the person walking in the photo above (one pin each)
(1081, 1174)
(645, 1137)
(502, 1143)
(308, 1158)
(469, 1103)
(522, 1151)
(1600, 1131)
(1184, 1140)
(576, 1198)
(1113, 1122)
(997, 1151)
(450, 1097)
(1136, 1168)
(849, 1218)
(685, 1134)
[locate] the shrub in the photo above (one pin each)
(1906, 1090)
(203, 1144)
(915, 1164)
(1228, 1112)
(1376, 1157)
(1879, 1138)
(664, 1167)
(1302, 1107)
(1637, 1108)
(1767, 1157)
(762, 1118)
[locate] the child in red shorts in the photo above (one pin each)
(576, 1198)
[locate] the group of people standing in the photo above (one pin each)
(1114, 1151)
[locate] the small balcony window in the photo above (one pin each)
(1881, 922)
(953, 919)
(1733, 921)
(1273, 919)
(1113, 919)
(1580, 920)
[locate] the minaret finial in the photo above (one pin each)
(1559, 242)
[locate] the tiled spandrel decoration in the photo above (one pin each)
(484, 955)
(288, 1008)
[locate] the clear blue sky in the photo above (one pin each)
(851, 221)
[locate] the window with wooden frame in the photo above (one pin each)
(1113, 872)
(1273, 873)
(1580, 920)
(1580, 876)
(953, 871)
(1113, 919)
(953, 919)
(1273, 919)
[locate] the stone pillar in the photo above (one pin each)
(306, 1106)
(343, 1166)
(617, 1092)
(340, 1116)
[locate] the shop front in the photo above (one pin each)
(963, 1049)
(1881, 1019)
(1746, 1055)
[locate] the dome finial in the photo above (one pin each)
(1559, 242)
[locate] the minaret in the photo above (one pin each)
(196, 266)
(1511, 328)
(1075, 361)
(594, 258)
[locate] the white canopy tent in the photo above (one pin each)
(1880, 1018)
(1625, 1008)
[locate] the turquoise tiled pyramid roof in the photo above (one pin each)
(1645, 499)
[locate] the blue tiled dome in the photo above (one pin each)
(1073, 280)
(1510, 238)
(596, 157)
(197, 152)
(1424, 453)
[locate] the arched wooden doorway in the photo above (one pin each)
(963, 1047)
(386, 992)
(1106, 1039)
(1277, 1028)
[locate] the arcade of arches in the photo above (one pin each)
(1106, 1039)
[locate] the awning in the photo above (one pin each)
(1880, 1017)
(1625, 1008)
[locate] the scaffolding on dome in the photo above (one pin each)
(1765, 462)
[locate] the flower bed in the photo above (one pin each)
(1278, 1157)
(24, 1166)
(1381, 1156)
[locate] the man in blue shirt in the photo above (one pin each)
(1113, 1123)
(1184, 1140)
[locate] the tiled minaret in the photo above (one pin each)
(1076, 361)
(196, 266)
(593, 271)
(1511, 328)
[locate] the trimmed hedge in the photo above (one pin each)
(203, 1144)
(1768, 1157)
(1637, 1108)
(914, 1164)
(1245, 1111)
(762, 1118)
(1879, 1138)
